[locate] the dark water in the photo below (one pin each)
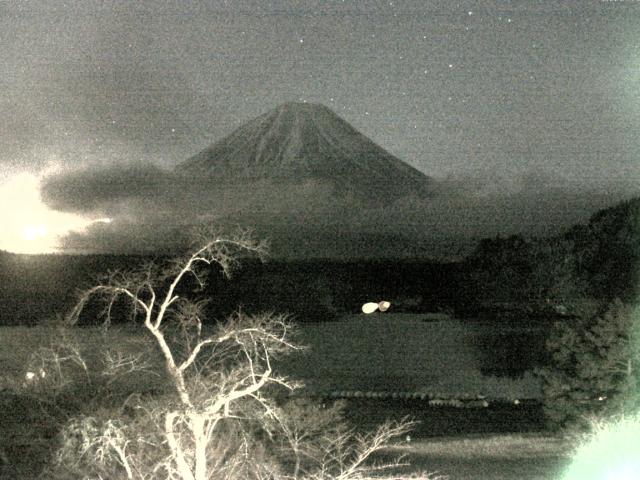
(366, 414)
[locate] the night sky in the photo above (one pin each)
(516, 97)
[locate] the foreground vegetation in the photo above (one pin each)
(94, 362)
(222, 409)
(191, 400)
(490, 456)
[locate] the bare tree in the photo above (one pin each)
(324, 448)
(207, 384)
(221, 377)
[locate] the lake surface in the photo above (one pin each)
(404, 353)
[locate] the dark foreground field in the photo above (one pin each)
(433, 421)
(486, 457)
(498, 442)
(504, 440)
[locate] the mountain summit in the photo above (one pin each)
(304, 142)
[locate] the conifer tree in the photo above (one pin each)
(594, 367)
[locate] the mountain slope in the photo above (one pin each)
(300, 143)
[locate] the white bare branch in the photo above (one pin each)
(221, 378)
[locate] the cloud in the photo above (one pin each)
(153, 208)
(147, 191)
(540, 203)
(150, 206)
(90, 190)
(532, 204)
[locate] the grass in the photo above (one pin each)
(521, 445)
(488, 457)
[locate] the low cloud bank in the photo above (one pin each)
(152, 208)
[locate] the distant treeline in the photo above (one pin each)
(323, 290)
(506, 276)
(597, 261)
(34, 288)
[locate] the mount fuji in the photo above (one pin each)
(313, 184)
(304, 143)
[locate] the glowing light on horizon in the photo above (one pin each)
(31, 232)
(30, 226)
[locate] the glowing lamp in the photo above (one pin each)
(369, 307)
